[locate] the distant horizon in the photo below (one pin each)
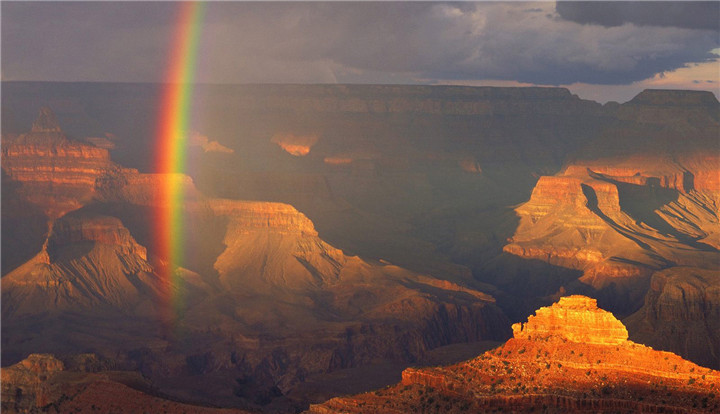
(601, 51)
(580, 94)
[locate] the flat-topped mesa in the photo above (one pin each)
(574, 318)
(256, 215)
(147, 189)
(561, 193)
(669, 97)
(684, 173)
(37, 364)
(677, 110)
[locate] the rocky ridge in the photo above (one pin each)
(550, 366)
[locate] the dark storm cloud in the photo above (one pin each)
(346, 42)
(689, 15)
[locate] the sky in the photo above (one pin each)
(599, 50)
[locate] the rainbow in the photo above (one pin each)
(170, 151)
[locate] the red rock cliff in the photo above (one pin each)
(575, 318)
(56, 173)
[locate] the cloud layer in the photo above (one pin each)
(598, 43)
(686, 14)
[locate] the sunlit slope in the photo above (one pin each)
(571, 356)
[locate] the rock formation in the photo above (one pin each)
(576, 319)
(587, 365)
(620, 220)
(297, 145)
(56, 173)
(24, 385)
(207, 144)
(89, 262)
(615, 213)
(681, 314)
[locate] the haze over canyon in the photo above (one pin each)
(335, 235)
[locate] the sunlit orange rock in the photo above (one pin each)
(618, 220)
(56, 173)
(338, 160)
(575, 318)
(89, 262)
(297, 145)
(24, 384)
(569, 357)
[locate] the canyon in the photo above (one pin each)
(347, 231)
(270, 289)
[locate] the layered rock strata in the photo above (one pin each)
(620, 220)
(55, 173)
(574, 318)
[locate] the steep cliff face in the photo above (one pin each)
(674, 108)
(577, 222)
(587, 365)
(619, 220)
(273, 245)
(314, 309)
(128, 185)
(56, 173)
(576, 319)
(91, 228)
(681, 314)
(24, 385)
